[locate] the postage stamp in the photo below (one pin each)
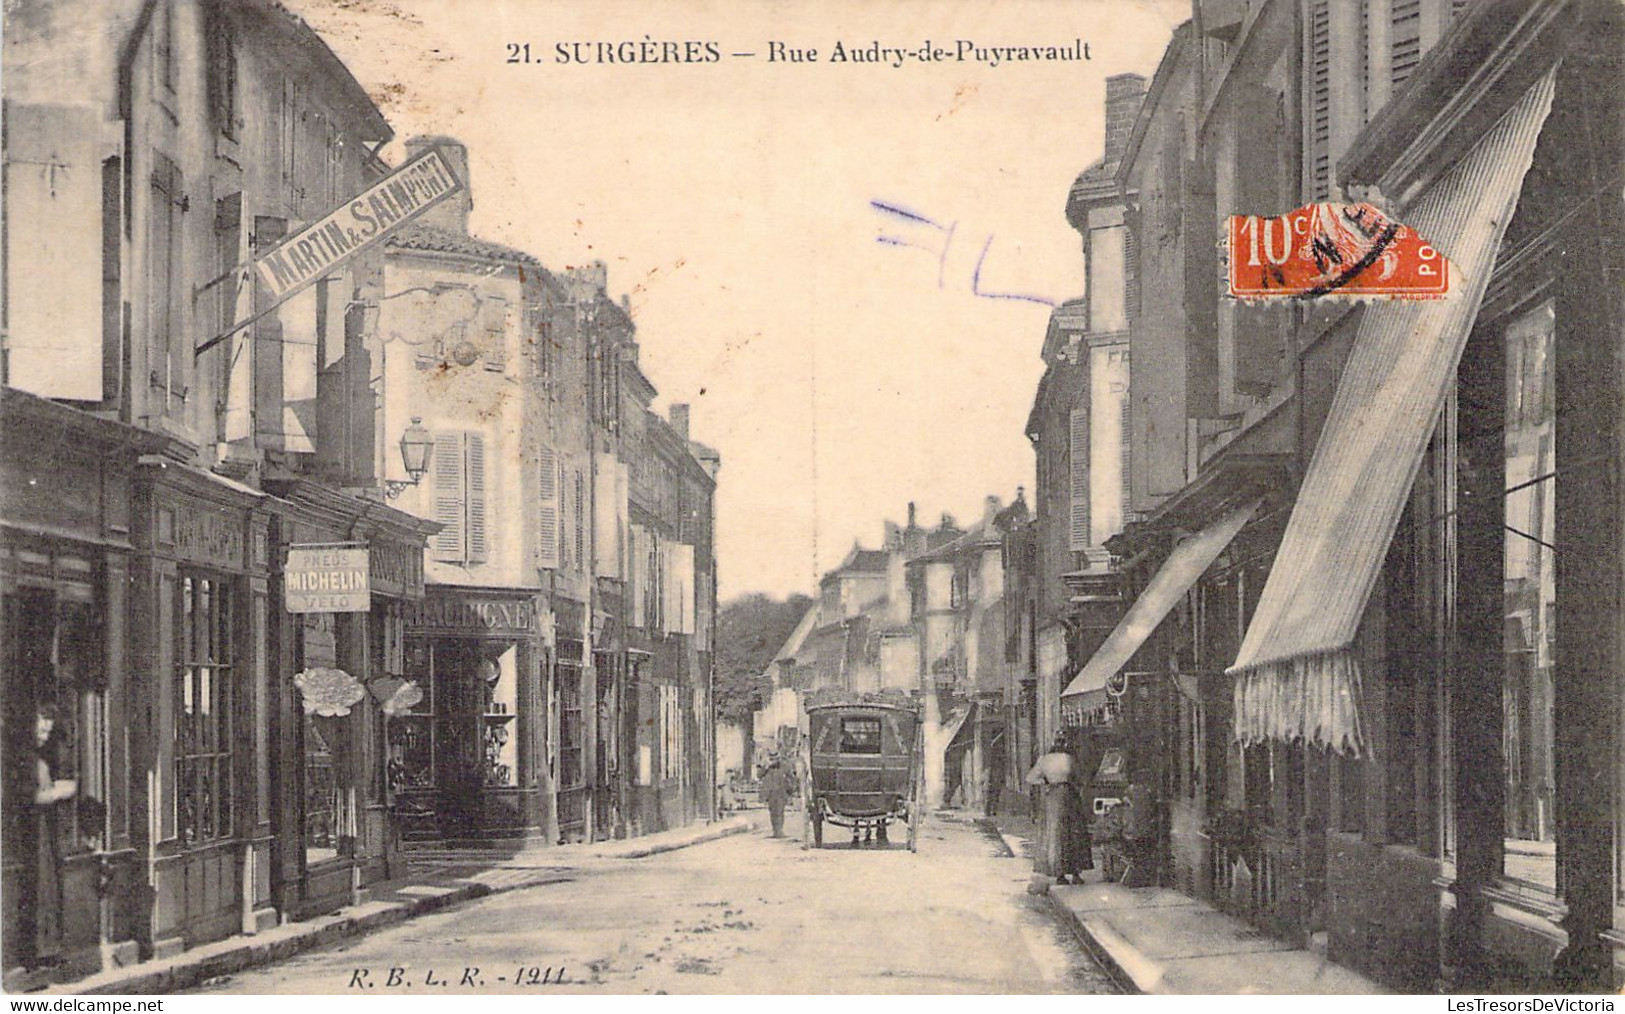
(1340, 250)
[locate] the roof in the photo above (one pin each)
(984, 533)
(1153, 98)
(309, 42)
(428, 238)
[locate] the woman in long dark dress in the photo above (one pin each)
(1066, 852)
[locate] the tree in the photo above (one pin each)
(750, 632)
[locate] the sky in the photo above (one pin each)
(820, 254)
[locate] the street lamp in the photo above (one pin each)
(416, 443)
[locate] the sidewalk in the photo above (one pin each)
(1156, 940)
(433, 884)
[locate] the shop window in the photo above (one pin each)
(572, 773)
(410, 763)
(1530, 599)
(203, 707)
(499, 687)
(328, 798)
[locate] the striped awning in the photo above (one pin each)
(1183, 568)
(1298, 679)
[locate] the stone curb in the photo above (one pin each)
(736, 825)
(1132, 971)
(184, 972)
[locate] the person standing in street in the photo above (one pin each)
(1067, 848)
(775, 793)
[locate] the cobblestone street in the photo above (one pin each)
(741, 915)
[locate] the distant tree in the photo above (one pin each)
(750, 632)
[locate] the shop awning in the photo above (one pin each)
(1184, 566)
(1298, 679)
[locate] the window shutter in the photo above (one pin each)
(1405, 39)
(547, 511)
(1131, 269)
(1127, 444)
(54, 223)
(478, 547)
(1319, 71)
(580, 519)
(448, 497)
(1078, 457)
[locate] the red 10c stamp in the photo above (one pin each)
(1348, 250)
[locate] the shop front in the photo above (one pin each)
(464, 761)
(200, 749)
(350, 567)
(70, 881)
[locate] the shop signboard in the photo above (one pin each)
(327, 579)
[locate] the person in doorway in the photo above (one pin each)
(1066, 852)
(49, 790)
(775, 792)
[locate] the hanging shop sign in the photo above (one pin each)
(318, 249)
(328, 692)
(327, 579)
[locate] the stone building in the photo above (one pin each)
(1377, 685)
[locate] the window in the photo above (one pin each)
(410, 761)
(326, 798)
(163, 44)
(499, 689)
(572, 771)
(860, 735)
(1530, 598)
(460, 498)
(222, 73)
(203, 707)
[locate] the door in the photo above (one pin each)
(457, 755)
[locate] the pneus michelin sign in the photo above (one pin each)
(357, 224)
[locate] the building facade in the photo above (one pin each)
(183, 786)
(295, 569)
(1372, 680)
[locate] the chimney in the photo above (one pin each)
(679, 420)
(915, 541)
(991, 508)
(586, 280)
(894, 536)
(452, 213)
(1123, 95)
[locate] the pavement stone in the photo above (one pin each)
(1156, 940)
(1153, 944)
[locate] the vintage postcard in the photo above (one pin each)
(541, 497)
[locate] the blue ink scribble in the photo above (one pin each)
(945, 237)
(976, 283)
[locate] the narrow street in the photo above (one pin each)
(745, 914)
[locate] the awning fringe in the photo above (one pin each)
(1311, 699)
